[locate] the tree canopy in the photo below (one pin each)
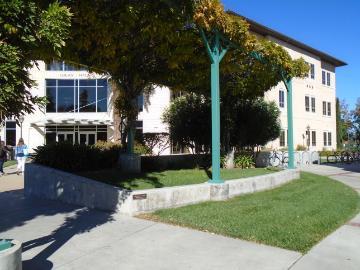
(27, 33)
(145, 43)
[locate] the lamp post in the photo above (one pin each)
(21, 120)
(308, 137)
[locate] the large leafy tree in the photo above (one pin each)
(27, 33)
(145, 43)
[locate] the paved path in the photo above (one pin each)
(341, 249)
(64, 237)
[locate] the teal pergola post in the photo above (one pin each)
(288, 84)
(216, 52)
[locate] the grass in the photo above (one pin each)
(9, 163)
(295, 216)
(168, 178)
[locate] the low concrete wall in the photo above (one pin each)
(10, 259)
(54, 184)
(49, 183)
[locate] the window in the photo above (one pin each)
(140, 102)
(10, 133)
(329, 109)
(325, 138)
(83, 134)
(312, 71)
(281, 99)
(313, 104)
(324, 108)
(76, 95)
(313, 138)
(282, 138)
(307, 103)
(62, 66)
(329, 142)
(326, 78)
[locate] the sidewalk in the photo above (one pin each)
(341, 249)
(61, 236)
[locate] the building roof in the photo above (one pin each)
(266, 31)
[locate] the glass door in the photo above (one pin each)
(88, 138)
(65, 137)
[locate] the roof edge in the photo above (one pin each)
(264, 30)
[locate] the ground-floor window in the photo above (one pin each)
(82, 134)
(282, 138)
(10, 133)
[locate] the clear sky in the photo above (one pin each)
(331, 26)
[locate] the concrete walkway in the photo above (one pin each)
(60, 236)
(341, 249)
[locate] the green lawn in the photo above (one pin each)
(167, 178)
(295, 216)
(9, 163)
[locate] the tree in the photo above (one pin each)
(27, 33)
(343, 122)
(356, 123)
(250, 123)
(145, 43)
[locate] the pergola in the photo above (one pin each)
(217, 46)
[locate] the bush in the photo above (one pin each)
(244, 161)
(74, 158)
(300, 147)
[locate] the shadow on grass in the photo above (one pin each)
(126, 180)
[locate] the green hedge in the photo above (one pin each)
(76, 158)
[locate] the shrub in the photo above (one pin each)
(73, 158)
(300, 147)
(244, 161)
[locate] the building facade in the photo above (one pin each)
(80, 104)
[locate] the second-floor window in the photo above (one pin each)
(61, 66)
(281, 99)
(309, 105)
(326, 108)
(313, 138)
(76, 95)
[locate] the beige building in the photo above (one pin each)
(80, 108)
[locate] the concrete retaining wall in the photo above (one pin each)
(54, 184)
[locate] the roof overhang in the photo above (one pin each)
(71, 122)
(266, 31)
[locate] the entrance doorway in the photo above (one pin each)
(88, 138)
(65, 137)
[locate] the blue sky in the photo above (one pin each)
(331, 26)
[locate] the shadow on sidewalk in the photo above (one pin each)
(83, 221)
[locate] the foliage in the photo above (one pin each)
(141, 149)
(68, 157)
(356, 123)
(168, 178)
(244, 161)
(188, 118)
(106, 145)
(301, 147)
(145, 43)
(189, 122)
(27, 33)
(294, 216)
(156, 142)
